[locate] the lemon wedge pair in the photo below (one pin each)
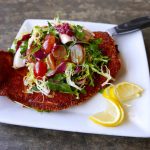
(116, 94)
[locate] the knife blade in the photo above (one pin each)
(130, 26)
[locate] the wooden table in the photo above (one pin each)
(13, 13)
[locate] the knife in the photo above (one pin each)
(130, 26)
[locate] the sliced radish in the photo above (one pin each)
(18, 60)
(65, 38)
(77, 54)
(59, 52)
(88, 35)
(51, 61)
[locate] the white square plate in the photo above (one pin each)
(134, 69)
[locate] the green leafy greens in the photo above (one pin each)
(24, 47)
(57, 83)
(10, 50)
(79, 32)
(52, 30)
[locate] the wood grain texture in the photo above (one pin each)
(13, 13)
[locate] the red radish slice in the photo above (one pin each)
(51, 61)
(77, 54)
(59, 52)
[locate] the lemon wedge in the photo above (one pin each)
(123, 91)
(112, 116)
(110, 92)
(115, 94)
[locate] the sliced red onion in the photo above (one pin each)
(81, 82)
(24, 38)
(18, 44)
(50, 73)
(78, 69)
(60, 69)
(39, 54)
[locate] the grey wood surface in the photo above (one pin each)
(13, 13)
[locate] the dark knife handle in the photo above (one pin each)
(133, 25)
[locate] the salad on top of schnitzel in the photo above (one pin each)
(63, 64)
(60, 57)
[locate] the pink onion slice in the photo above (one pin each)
(39, 55)
(24, 38)
(78, 69)
(50, 73)
(60, 69)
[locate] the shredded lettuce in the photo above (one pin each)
(69, 73)
(42, 86)
(88, 74)
(104, 71)
(37, 35)
(35, 85)
(52, 30)
(79, 32)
